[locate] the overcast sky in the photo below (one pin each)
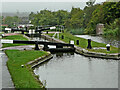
(49, 0)
(37, 5)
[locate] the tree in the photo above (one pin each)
(11, 21)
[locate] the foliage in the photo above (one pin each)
(87, 18)
(11, 21)
(46, 17)
(104, 13)
(77, 31)
(23, 77)
(111, 11)
(113, 29)
(76, 19)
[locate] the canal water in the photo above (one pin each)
(71, 70)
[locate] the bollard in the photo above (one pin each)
(22, 66)
(45, 47)
(47, 32)
(89, 44)
(22, 32)
(108, 47)
(26, 28)
(36, 46)
(62, 37)
(77, 42)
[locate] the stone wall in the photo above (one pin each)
(99, 29)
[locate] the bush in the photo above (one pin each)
(77, 31)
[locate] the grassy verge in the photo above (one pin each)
(14, 37)
(23, 77)
(50, 34)
(2, 33)
(84, 42)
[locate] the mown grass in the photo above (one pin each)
(23, 77)
(83, 43)
(1, 32)
(50, 34)
(14, 37)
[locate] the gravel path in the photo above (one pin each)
(5, 77)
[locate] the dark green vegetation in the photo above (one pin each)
(23, 77)
(10, 21)
(107, 13)
(14, 37)
(84, 43)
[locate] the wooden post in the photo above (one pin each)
(36, 46)
(22, 32)
(46, 32)
(62, 37)
(77, 42)
(45, 47)
(89, 44)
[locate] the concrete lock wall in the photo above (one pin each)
(99, 29)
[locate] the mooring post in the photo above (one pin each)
(89, 44)
(36, 46)
(77, 42)
(46, 32)
(62, 37)
(22, 32)
(108, 47)
(45, 47)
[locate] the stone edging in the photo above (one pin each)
(40, 60)
(96, 54)
(26, 37)
(36, 63)
(85, 52)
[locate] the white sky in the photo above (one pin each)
(38, 5)
(49, 0)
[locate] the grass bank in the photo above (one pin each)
(23, 77)
(14, 37)
(84, 42)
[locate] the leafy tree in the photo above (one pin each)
(11, 21)
(111, 11)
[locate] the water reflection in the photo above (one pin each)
(60, 54)
(70, 70)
